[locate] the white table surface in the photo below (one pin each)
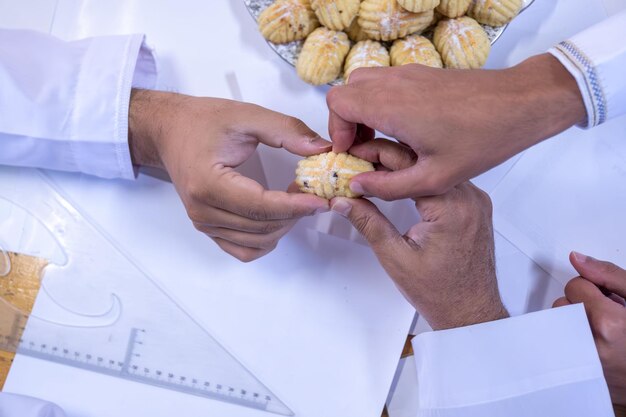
(193, 59)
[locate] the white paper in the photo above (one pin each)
(404, 401)
(539, 364)
(568, 194)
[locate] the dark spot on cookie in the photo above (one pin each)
(335, 175)
(306, 184)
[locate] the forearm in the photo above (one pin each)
(545, 98)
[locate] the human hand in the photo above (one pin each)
(602, 288)
(444, 265)
(459, 123)
(199, 141)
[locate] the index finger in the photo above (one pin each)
(281, 131)
(348, 106)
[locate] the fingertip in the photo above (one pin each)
(356, 188)
(341, 206)
(308, 145)
(319, 143)
(293, 188)
(560, 302)
(342, 133)
(306, 204)
(386, 185)
(342, 140)
(577, 258)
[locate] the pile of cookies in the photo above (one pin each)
(343, 35)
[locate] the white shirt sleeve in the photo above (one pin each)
(64, 105)
(12, 405)
(538, 364)
(596, 58)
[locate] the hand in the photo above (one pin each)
(199, 141)
(602, 288)
(443, 265)
(459, 123)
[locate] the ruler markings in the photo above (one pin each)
(125, 370)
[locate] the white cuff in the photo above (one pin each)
(596, 58)
(533, 361)
(100, 138)
(65, 104)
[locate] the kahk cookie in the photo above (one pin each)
(415, 49)
(322, 56)
(417, 6)
(386, 20)
(462, 43)
(287, 20)
(356, 33)
(365, 54)
(494, 12)
(453, 8)
(336, 14)
(328, 175)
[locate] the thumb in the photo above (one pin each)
(381, 235)
(601, 273)
(411, 182)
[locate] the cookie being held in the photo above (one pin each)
(287, 20)
(328, 175)
(322, 56)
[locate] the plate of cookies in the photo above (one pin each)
(325, 40)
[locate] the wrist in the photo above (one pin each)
(145, 126)
(549, 100)
(475, 312)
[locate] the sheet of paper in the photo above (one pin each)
(568, 194)
(404, 401)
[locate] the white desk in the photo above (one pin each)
(193, 59)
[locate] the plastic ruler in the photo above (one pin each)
(102, 313)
